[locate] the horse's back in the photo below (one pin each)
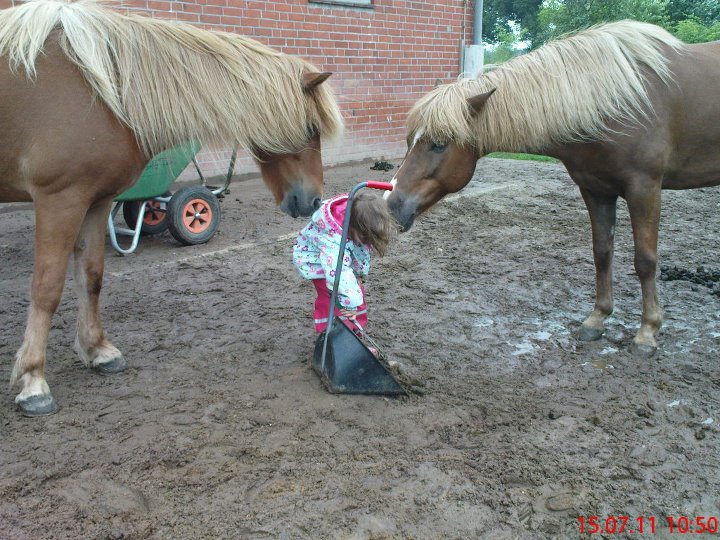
(54, 132)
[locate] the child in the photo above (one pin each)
(316, 250)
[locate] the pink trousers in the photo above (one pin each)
(322, 306)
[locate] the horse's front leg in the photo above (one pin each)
(58, 219)
(602, 218)
(90, 343)
(643, 200)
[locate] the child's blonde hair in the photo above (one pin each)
(371, 222)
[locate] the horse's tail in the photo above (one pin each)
(25, 29)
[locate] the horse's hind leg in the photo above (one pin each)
(644, 206)
(90, 343)
(602, 218)
(58, 219)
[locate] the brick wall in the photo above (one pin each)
(383, 58)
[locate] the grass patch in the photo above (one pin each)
(525, 157)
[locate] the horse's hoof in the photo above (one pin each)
(643, 351)
(116, 365)
(590, 334)
(38, 405)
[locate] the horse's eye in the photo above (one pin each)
(438, 147)
(312, 130)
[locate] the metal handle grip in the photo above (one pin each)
(375, 184)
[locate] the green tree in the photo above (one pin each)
(498, 15)
(694, 31)
(694, 21)
(707, 12)
(504, 47)
(558, 17)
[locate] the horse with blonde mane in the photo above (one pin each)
(88, 95)
(629, 110)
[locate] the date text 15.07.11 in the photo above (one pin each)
(648, 524)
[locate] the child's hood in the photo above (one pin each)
(331, 214)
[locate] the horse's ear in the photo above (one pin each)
(312, 80)
(477, 102)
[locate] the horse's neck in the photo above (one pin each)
(515, 147)
(505, 123)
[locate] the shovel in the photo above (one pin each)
(341, 359)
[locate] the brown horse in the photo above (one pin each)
(88, 96)
(626, 107)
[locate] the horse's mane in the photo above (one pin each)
(170, 82)
(565, 91)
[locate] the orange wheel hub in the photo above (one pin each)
(197, 216)
(154, 213)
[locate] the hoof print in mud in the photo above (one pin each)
(39, 405)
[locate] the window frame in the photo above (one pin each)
(369, 4)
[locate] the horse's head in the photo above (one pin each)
(434, 166)
(296, 178)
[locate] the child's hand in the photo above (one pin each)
(348, 313)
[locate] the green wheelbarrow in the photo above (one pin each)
(192, 213)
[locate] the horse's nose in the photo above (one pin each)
(293, 206)
(300, 202)
(403, 209)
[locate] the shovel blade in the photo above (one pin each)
(349, 367)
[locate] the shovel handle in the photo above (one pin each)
(375, 184)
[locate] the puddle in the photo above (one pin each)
(601, 364)
(483, 322)
(598, 363)
(523, 348)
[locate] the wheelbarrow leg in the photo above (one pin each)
(228, 176)
(231, 170)
(200, 174)
(114, 231)
(89, 263)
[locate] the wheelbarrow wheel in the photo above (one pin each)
(155, 219)
(193, 215)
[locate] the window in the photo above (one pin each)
(348, 3)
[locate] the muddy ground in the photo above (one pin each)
(220, 429)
